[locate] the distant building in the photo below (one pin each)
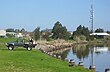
(11, 33)
(28, 34)
(19, 35)
(2, 33)
(47, 31)
(100, 34)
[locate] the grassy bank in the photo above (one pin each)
(21, 60)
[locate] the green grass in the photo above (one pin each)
(4, 40)
(21, 60)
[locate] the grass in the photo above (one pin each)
(4, 40)
(21, 60)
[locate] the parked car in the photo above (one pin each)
(20, 43)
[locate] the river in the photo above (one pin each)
(98, 55)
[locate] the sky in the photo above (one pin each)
(29, 14)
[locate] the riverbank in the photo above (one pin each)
(21, 60)
(55, 45)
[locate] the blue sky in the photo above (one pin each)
(30, 14)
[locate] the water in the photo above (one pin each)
(98, 55)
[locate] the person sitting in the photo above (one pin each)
(31, 41)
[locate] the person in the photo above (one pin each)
(31, 41)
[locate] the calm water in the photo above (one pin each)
(98, 55)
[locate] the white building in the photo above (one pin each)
(2, 33)
(19, 35)
(100, 34)
(11, 33)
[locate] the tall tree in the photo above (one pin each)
(56, 30)
(59, 31)
(36, 33)
(81, 31)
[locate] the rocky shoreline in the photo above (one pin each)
(55, 45)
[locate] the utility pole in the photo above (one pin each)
(92, 66)
(92, 16)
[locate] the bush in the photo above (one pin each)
(82, 37)
(107, 38)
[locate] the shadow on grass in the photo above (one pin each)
(15, 49)
(20, 49)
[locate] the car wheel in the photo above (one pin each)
(11, 47)
(29, 48)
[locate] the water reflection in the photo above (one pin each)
(81, 51)
(101, 49)
(92, 66)
(98, 55)
(62, 53)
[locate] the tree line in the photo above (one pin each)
(15, 30)
(60, 32)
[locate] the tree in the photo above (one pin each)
(81, 31)
(23, 30)
(36, 33)
(59, 31)
(108, 32)
(99, 30)
(17, 30)
(56, 30)
(10, 30)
